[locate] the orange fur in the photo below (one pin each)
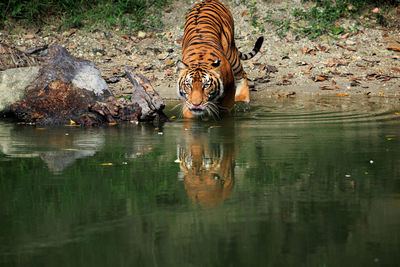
(212, 76)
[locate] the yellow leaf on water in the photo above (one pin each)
(112, 123)
(106, 164)
(70, 149)
(173, 117)
(72, 122)
(40, 129)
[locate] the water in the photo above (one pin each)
(291, 183)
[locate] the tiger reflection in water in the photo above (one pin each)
(207, 161)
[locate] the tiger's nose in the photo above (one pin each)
(197, 107)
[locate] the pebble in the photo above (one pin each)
(141, 34)
(350, 42)
(169, 63)
(163, 56)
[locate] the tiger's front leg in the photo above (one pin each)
(242, 92)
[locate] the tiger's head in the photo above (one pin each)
(200, 87)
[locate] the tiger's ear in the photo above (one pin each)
(181, 65)
(216, 63)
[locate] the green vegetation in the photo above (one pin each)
(323, 17)
(133, 14)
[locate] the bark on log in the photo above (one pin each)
(146, 97)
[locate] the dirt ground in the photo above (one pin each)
(359, 63)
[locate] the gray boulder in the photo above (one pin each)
(12, 85)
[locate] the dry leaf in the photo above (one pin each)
(342, 94)
(329, 88)
(395, 69)
(345, 36)
(394, 48)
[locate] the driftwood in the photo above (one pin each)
(148, 99)
(70, 90)
(11, 57)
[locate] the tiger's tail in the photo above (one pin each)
(255, 50)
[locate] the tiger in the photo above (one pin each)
(211, 75)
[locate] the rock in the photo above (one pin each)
(113, 79)
(99, 52)
(12, 85)
(163, 56)
(350, 42)
(81, 73)
(57, 103)
(169, 63)
(63, 90)
(141, 34)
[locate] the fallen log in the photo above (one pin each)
(146, 97)
(70, 90)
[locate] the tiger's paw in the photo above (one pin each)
(242, 106)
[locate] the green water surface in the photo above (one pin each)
(282, 185)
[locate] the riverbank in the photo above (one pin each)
(360, 63)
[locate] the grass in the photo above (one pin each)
(323, 17)
(132, 14)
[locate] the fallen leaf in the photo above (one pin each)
(106, 164)
(112, 123)
(394, 48)
(29, 36)
(395, 69)
(349, 48)
(342, 94)
(172, 117)
(290, 94)
(345, 36)
(320, 78)
(321, 48)
(70, 149)
(333, 82)
(329, 88)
